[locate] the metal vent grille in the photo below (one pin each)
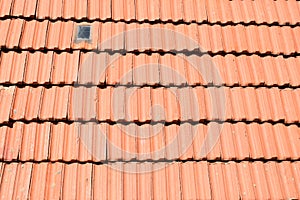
(84, 33)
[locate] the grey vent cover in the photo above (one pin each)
(84, 33)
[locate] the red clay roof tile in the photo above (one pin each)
(47, 105)
(246, 186)
(42, 9)
(288, 180)
(255, 142)
(84, 183)
(5, 8)
(115, 181)
(100, 185)
(54, 178)
(38, 183)
(23, 181)
(129, 143)
(55, 10)
(259, 180)
(188, 181)
(28, 142)
(8, 180)
(6, 96)
(216, 181)
(41, 150)
(281, 142)
(68, 10)
(130, 179)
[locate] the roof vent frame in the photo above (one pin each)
(84, 33)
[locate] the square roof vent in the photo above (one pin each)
(83, 33)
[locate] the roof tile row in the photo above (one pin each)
(282, 12)
(92, 142)
(143, 69)
(190, 180)
(34, 34)
(160, 104)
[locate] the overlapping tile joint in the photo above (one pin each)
(167, 99)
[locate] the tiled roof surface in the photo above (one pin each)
(167, 99)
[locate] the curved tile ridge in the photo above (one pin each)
(54, 68)
(279, 12)
(146, 104)
(175, 180)
(147, 37)
(101, 142)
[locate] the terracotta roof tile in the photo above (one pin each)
(42, 9)
(8, 176)
(55, 11)
(260, 181)
(227, 143)
(160, 182)
(288, 180)
(241, 141)
(28, 141)
(68, 12)
(231, 180)
(53, 33)
(198, 6)
(100, 185)
(246, 186)
(6, 66)
(129, 10)
(288, 99)
(188, 181)
(225, 11)
(54, 178)
(141, 11)
(296, 32)
(115, 181)
(130, 179)
(283, 147)
(14, 33)
(18, 7)
(23, 181)
(105, 9)
(4, 29)
(41, 149)
(104, 36)
(38, 183)
(5, 8)
(6, 96)
(66, 31)
(216, 179)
